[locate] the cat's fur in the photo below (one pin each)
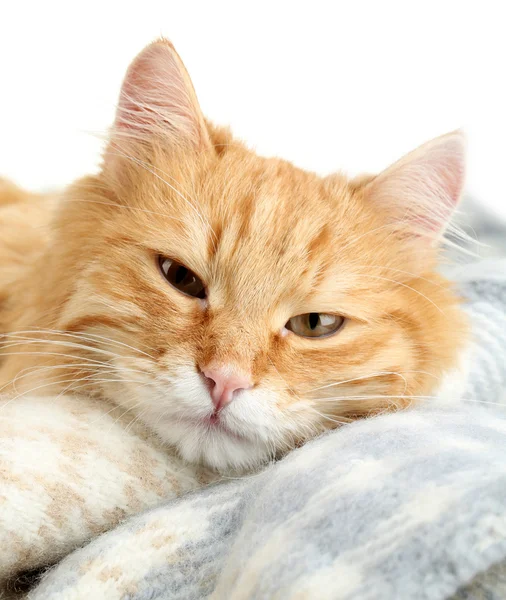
(86, 308)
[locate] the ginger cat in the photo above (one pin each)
(236, 304)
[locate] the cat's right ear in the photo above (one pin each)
(419, 192)
(158, 101)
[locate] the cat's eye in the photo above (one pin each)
(182, 278)
(315, 325)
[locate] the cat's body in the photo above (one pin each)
(24, 235)
(233, 371)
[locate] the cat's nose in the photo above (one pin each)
(224, 381)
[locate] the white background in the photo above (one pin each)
(330, 85)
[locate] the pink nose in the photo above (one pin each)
(224, 382)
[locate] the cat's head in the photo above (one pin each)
(251, 304)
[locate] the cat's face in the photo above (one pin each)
(252, 305)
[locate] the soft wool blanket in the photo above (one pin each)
(408, 505)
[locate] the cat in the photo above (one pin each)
(236, 304)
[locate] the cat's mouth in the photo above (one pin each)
(213, 423)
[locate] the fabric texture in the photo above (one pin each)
(487, 584)
(407, 505)
(72, 468)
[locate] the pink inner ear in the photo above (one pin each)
(421, 190)
(157, 98)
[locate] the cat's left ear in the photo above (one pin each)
(419, 192)
(158, 100)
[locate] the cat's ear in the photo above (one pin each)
(157, 99)
(421, 190)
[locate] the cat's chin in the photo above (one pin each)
(241, 438)
(214, 445)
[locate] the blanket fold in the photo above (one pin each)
(409, 505)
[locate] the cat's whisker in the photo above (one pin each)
(98, 367)
(143, 401)
(88, 336)
(91, 361)
(74, 387)
(71, 387)
(403, 397)
(137, 418)
(333, 419)
(30, 371)
(95, 336)
(406, 286)
(90, 365)
(113, 408)
(71, 345)
(373, 397)
(57, 380)
(30, 344)
(412, 275)
(39, 387)
(184, 413)
(362, 377)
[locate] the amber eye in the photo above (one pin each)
(182, 278)
(314, 325)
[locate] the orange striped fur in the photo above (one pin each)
(86, 308)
